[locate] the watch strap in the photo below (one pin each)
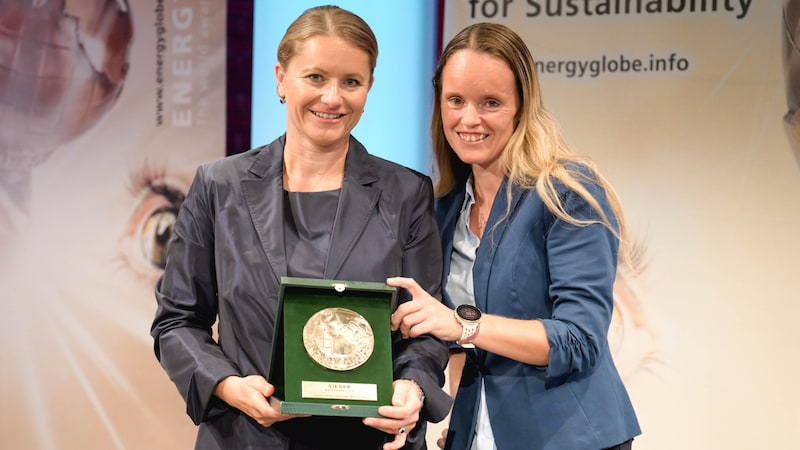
(466, 342)
(468, 331)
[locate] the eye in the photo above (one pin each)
(352, 83)
(315, 77)
(155, 235)
(455, 101)
(157, 200)
(492, 104)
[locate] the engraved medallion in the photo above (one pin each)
(338, 339)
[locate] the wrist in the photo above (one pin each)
(469, 341)
(418, 387)
(220, 389)
(469, 316)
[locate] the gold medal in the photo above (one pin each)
(338, 339)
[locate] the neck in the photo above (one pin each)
(484, 188)
(313, 170)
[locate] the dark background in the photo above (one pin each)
(239, 78)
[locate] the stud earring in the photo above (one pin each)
(282, 100)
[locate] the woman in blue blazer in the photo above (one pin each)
(531, 236)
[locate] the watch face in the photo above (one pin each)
(468, 312)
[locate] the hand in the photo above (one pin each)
(250, 395)
(423, 314)
(400, 418)
(441, 441)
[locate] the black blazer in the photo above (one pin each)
(226, 258)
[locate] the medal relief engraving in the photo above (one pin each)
(338, 339)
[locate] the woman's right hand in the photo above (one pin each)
(440, 442)
(424, 314)
(250, 395)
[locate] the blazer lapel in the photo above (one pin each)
(358, 199)
(448, 209)
(263, 195)
(484, 260)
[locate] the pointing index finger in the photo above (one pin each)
(408, 283)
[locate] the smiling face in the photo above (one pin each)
(325, 87)
(479, 103)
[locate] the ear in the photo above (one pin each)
(280, 76)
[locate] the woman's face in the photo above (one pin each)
(325, 86)
(479, 103)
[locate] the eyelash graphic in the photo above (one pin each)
(157, 200)
(633, 341)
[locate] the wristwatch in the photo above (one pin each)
(469, 317)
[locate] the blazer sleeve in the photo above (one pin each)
(186, 296)
(424, 358)
(582, 262)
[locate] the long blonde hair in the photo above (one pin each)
(537, 155)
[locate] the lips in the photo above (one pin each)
(329, 116)
(472, 137)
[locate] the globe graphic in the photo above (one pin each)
(791, 72)
(61, 69)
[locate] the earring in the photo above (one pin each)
(282, 100)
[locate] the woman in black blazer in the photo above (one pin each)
(313, 203)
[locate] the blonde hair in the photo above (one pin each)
(328, 20)
(537, 155)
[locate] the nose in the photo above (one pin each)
(470, 115)
(331, 95)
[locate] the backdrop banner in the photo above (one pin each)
(106, 109)
(682, 105)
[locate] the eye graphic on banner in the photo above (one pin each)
(632, 339)
(158, 196)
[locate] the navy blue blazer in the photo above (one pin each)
(533, 265)
(227, 256)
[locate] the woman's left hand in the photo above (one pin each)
(400, 418)
(423, 314)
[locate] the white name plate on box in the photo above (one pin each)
(339, 391)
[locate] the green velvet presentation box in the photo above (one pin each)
(332, 349)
